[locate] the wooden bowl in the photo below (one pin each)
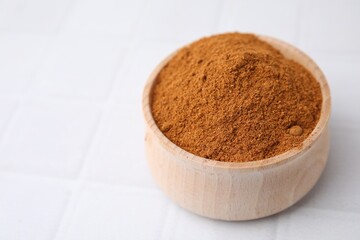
(244, 190)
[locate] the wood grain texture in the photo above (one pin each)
(239, 191)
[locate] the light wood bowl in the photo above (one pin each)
(245, 190)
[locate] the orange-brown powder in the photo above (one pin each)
(233, 97)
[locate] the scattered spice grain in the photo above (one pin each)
(295, 130)
(232, 97)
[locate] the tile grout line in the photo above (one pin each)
(27, 94)
(331, 210)
(164, 234)
(82, 175)
(276, 230)
(220, 11)
(32, 81)
(62, 227)
(71, 181)
(78, 184)
(277, 233)
(298, 22)
(34, 176)
(138, 23)
(7, 128)
(79, 181)
(70, 7)
(19, 98)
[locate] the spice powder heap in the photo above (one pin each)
(233, 97)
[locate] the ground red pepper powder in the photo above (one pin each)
(232, 97)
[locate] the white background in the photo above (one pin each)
(72, 164)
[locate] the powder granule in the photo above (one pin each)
(232, 97)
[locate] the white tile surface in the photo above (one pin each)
(7, 109)
(36, 16)
(343, 75)
(330, 25)
(179, 20)
(79, 67)
(110, 213)
(120, 142)
(340, 177)
(48, 138)
(31, 208)
(145, 55)
(309, 223)
(72, 163)
(20, 55)
(115, 158)
(110, 18)
(185, 225)
(277, 18)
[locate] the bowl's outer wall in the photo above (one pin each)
(239, 193)
(236, 194)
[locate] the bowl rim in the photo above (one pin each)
(282, 158)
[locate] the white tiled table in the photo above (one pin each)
(72, 164)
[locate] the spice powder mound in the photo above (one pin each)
(233, 97)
